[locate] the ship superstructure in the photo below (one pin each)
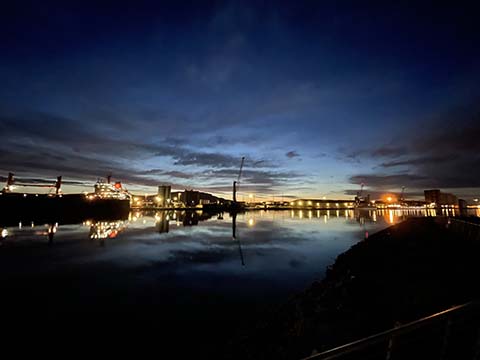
(106, 190)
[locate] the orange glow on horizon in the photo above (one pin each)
(389, 198)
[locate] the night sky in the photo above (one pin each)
(318, 96)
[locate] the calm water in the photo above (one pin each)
(189, 276)
(271, 255)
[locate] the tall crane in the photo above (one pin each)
(401, 195)
(237, 181)
(359, 199)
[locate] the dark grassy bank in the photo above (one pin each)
(400, 274)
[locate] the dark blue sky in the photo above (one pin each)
(319, 96)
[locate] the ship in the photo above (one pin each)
(107, 201)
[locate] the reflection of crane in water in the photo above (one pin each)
(234, 236)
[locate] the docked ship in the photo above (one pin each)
(107, 201)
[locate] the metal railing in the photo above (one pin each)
(441, 342)
(469, 230)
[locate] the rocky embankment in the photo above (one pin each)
(402, 273)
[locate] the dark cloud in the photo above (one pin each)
(443, 153)
(55, 145)
(389, 151)
(257, 177)
(174, 173)
(385, 181)
(204, 159)
(425, 160)
(292, 154)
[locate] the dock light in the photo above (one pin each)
(309, 203)
(300, 203)
(336, 204)
(318, 204)
(389, 199)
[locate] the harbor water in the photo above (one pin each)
(184, 269)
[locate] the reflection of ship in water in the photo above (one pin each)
(106, 229)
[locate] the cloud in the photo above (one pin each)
(51, 145)
(443, 153)
(205, 159)
(173, 173)
(389, 151)
(257, 177)
(425, 160)
(382, 181)
(292, 154)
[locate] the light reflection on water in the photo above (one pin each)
(258, 253)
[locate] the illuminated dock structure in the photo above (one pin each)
(320, 204)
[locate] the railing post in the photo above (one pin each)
(476, 350)
(446, 336)
(390, 344)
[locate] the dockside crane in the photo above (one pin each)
(359, 199)
(11, 183)
(236, 184)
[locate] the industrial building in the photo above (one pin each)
(164, 195)
(193, 198)
(437, 198)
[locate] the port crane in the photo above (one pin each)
(11, 183)
(402, 194)
(236, 184)
(359, 199)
